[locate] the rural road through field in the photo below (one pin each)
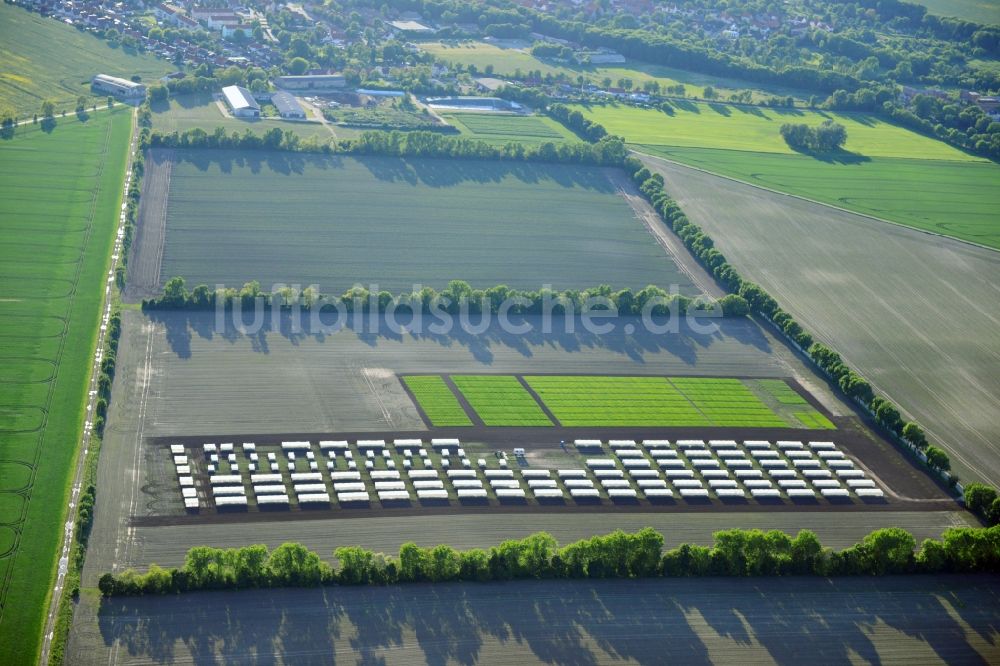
(68, 531)
(912, 312)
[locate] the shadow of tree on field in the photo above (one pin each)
(480, 335)
(578, 623)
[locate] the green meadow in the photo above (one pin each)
(62, 194)
(885, 170)
(753, 128)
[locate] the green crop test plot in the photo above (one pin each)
(501, 400)
(615, 401)
(62, 193)
(599, 400)
(500, 129)
(437, 400)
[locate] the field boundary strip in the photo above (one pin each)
(91, 400)
(633, 148)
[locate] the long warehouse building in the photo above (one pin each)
(241, 102)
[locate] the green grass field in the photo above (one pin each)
(436, 399)
(200, 110)
(339, 221)
(500, 129)
(980, 11)
(606, 400)
(42, 58)
(501, 400)
(886, 171)
(953, 198)
(62, 191)
(506, 61)
(751, 128)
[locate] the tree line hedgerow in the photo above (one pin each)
(735, 552)
(606, 152)
(458, 297)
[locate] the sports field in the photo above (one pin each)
(337, 222)
(886, 171)
(42, 58)
(201, 110)
(500, 128)
(62, 191)
(913, 314)
(509, 56)
(436, 399)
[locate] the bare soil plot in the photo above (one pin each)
(208, 379)
(914, 314)
(337, 222)
(786, 620)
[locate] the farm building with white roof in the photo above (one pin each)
(241, 102)
(118, 87)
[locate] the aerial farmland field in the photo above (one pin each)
(503, 128)
(779, 620)
(337, 222)
(62, 194)
(45, 59)
(910, 312)
(922, 182)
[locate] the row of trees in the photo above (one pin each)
(829, 136)
(736, 552)
(609, 151)
(458, 297)
(760, 302)
(983, 501)
(583, 127)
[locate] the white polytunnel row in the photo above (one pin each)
(721, 467)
